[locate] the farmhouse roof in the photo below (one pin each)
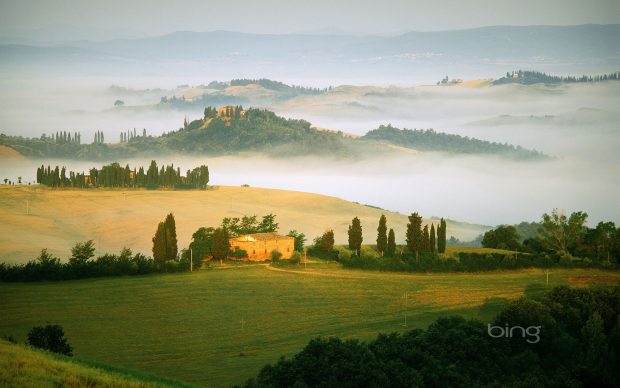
(262, 237)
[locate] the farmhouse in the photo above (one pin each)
(260, 245)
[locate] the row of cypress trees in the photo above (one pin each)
(420, 240)
(115, 175)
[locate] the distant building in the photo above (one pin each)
(260, 245)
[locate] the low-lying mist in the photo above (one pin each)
(577, 124)
(482, 190)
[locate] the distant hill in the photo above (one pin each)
(237, 92)
(525, 77)
(23, 366)
(467, 53)
(232, 130)
(429, 140)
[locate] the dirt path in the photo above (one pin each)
(332, 275)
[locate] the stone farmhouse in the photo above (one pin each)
(260, 245)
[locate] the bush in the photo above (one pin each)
(367, 253)
(50, 338)
(344, 254)
(240, 254)
(171, 266)
(323, 253)
(276, 255)
(295, 258)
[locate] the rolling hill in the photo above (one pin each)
(263, 132)
(128, 218)
(22, 366)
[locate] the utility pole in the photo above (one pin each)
(243, 334)
(191, 260)
(547, 273)
(406, 307)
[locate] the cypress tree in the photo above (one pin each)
(441, 236)
(426, 242)
(355, 235)
(152, 174)
(382, 239)
(159, 243)
(432, 239)
(414, 234)
(171, 237)
(391, 243)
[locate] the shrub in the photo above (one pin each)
(50, 338)
(240, 254)
(344, 254)
(295, 258)
(367, 253)
(276, 255)
(171, 266)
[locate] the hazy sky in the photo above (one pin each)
(71, 19)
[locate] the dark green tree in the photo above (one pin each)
(202, 240)
(220, 248)
(432, 239)
(391, 243)
(327, 240)
(152, 175)
(502, 237)
(50, 338)
(355, 235)
(82, 252)
(300, 239)
(441, 236)
(268, 224)
(426, 241)
(171, 237)
(414, 234)
(159, 243)
(561, 234)
(382, 238)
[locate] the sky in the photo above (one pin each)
(98, 20)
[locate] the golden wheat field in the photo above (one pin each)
(36, 217)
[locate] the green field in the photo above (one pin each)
(219, 327)
(22, 366)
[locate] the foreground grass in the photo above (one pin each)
(21, 366)
(219, 327)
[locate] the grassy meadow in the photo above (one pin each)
(22, 366)
(219, 327)
(37, 217)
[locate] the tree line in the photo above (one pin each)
(83, 264)
(565, 338)
(421, 242)
(533, 77)
(429, 140)
(562, 242)
(64, 137)
(563, 238)
(115, 175)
